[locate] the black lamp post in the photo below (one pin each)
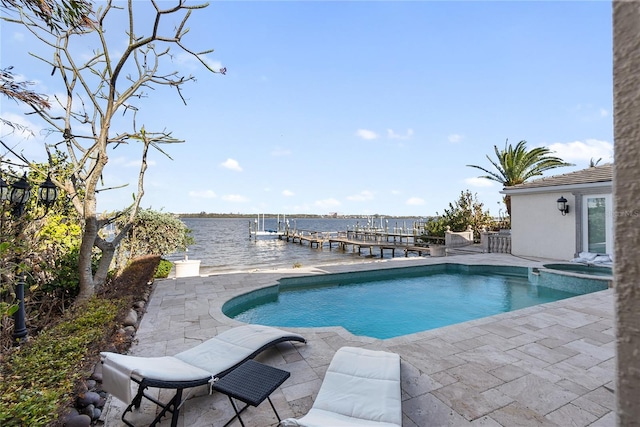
(17, 194)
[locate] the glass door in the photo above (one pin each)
(597, 224)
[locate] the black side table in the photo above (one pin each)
(252, 383)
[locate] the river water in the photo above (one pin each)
(224, 244)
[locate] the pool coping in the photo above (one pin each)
(488, 371)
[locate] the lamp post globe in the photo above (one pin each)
(19, 195)
(47, 192)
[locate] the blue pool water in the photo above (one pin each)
(391, 307)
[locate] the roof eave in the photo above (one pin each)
(555, 188)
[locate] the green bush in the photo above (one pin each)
(152, 232)
(463, 213)
(163, 270)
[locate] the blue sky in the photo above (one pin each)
(363, 107)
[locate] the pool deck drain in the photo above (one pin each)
(547, 365)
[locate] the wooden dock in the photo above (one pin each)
(358, 240)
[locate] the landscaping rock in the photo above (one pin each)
(88, 410)
(88, 398)
(96, 413)
(97, 372)
(79, 420)
(131, 319)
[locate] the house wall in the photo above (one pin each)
(538, 229)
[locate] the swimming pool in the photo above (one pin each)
(592, 270)
(397, 301)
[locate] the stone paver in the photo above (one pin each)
(549, 365)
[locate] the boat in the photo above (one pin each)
(257, 228)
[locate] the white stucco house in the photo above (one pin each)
(540, 229)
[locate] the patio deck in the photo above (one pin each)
(547, 365)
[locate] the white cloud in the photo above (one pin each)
(366, 134)
(454, 138)
(22, 121)
(327, 203)
(281, 152)
(18, 37)
(590, 113)
(287, 193)
(234, 198)
(214, 65)
(392, 135)
(231, 164)
(191, 62)
(416, 201)
(202, 194)
(583, 151)
(363, 196)
(479, 182)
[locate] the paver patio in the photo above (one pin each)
(547, 365)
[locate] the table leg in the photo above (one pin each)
(274, 409)
(237, 415)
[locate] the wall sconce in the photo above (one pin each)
(563, 206)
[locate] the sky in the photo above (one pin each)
(354, 107)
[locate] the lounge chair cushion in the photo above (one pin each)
(361, 388)
(594, 258)
(601, 259)
(117, 370)
(214, 357)
(223, 351)
(585, 257)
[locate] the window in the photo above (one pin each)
(597, 224)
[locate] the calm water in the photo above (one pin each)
(404, 305)
(223, 244)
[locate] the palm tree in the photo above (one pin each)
(517, 165)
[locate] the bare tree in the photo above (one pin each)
(56, 14)
(97, 89)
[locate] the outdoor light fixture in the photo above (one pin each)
(4, 190)
(563, 206)
(47, 192)
(17, 194)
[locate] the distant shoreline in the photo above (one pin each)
(298, 216)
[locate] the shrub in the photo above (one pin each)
(465, 212)
(38, 378)
(153, 232)
(164, 268)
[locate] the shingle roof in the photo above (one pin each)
(589, 175)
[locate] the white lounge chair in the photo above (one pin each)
(197, 366)
(361, 388)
